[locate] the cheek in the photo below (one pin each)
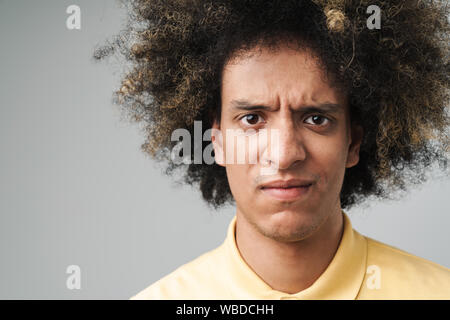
(239, 181)
(328, 158)
(242, 150)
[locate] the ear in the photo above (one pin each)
(357, 134)
(217, 140)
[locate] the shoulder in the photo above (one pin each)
(189, 281)
(404, 275)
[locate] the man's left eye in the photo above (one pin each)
(317, 120)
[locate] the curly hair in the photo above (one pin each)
(396, 78)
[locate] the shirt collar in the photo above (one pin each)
(340, 281)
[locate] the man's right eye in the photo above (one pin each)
(251, 119)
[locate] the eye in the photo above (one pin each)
(317, 120)
(251, 119)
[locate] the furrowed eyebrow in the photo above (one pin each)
(245, 105)
(320, 108)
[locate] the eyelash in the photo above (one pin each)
(315, 115)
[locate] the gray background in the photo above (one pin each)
(76, 189)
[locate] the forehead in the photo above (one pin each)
(286, 76)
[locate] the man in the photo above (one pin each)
(352, 109)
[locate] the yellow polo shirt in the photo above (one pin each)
(362, 268)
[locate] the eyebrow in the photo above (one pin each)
(329, 107)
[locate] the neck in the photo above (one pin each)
(289, 266)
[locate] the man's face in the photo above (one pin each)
(286, 91)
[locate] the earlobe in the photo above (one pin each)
(355, 145)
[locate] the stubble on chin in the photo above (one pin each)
(287, 231)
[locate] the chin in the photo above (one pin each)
(289, 225)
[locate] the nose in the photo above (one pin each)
(286, 144)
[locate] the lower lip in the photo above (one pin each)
(286, 194)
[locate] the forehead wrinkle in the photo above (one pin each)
(295, 93)
(297, 98)
(273, 88)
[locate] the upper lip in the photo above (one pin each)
(286, 183)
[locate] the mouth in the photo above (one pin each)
(289, 193)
